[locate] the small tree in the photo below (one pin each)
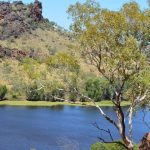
(34, 94)
(114, 43)
(3, 91)
(97, 89)
(67, 66)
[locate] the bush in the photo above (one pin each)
(50, 96)
(14, 96)
(83, 99)
(72, 96)
(63, 61)
(58, 93)
(3, 91)
(97, 89)
(33, 94)
(104, 146)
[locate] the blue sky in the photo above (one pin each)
(55, 10)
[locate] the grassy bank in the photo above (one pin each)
(47, 104)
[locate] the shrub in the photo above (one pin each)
(97, 89)
(72, 96)
(83, 99)
(54, 94)
(104, 146)
(58, 93)
(63, 61)
(48, 97)
(3, 91)
(33, 94)
(14, 96)
(49, 93)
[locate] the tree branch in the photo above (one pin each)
(100, 110)
(114, 142)
(106, 131)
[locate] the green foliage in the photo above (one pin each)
(138, 22)
(33, 94)
(68, 68)
(58, 93)
(114, 46)
(84, 12)
(31, 67)
(98, 89)
(14, 96)
(18, 85)
(83, 99)
(103, 146)
(138, 85)
(54, 91)
(72, 96)
(3, 91)
(64, 61)
(50, 92)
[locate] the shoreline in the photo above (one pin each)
(49, 104)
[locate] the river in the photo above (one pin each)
(58, 127)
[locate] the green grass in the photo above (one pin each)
(47, 104)
(109, 103)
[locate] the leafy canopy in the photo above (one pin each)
(114, 41)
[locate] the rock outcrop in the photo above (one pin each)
(17, 18)
(36, 11)
(12, 53)
(145, 142)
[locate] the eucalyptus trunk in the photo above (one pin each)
(121, 123)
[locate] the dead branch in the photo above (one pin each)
(100, 110)
(106, 131)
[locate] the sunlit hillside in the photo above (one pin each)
(46, 42)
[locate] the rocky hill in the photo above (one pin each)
(24, 30)
(17, 18)
(34, 50)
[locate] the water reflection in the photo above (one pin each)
(57, 107)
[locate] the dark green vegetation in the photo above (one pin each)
(102, 146)
(3, 91)
(98, 89)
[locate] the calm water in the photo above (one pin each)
(56, 128)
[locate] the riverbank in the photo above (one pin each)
(47, 104)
